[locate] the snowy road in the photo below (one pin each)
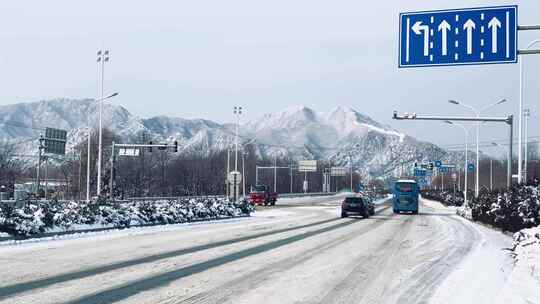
(299, 252)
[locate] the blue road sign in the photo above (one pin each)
(419, 172)
(438, 163)
(457, 37)
(470, 167)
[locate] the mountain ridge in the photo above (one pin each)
(341, 134)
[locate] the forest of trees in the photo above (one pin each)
(165, 173)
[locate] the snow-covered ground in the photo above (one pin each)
(297, 252)
(524, 282)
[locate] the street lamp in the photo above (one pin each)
(102, 57)
(237, 112)
(526, 115)
(88, 150)
(477, 113)
(520, 143)
(466, 131)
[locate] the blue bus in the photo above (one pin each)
(406, 194)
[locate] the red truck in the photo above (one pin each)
(260, 195)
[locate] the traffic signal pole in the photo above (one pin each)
(509, 120)
(134, 146)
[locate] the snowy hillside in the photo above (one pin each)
(297, 132)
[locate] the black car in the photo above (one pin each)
(357, 205)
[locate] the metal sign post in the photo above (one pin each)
(307, 166)
(509, 120)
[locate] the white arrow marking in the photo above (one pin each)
(493, 24)
(469, 26)
(417, 29)
(444, 27)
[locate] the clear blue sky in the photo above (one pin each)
(199, 58)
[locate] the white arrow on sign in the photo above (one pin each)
(417, 29)
(444, 27)
(493, 24)
(469, 26)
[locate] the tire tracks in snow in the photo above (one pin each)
(19, 288)
(428, 276)
(366, 270)
(247, 282)
(126, 290)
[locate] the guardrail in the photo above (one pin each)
(286, 195)
(160, 198)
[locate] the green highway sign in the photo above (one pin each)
(55, 141)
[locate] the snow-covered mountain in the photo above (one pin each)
(340, 135)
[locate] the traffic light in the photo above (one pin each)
(175, 146)
(150, 148)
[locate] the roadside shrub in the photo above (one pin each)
(35, 217)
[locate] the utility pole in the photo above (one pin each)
(237, 111)
(351, 168)
(80, 173)
(228, 171)
(243, 174)
(291, 173)
(526, 114)
(102, 57)
(88, 168)
(275, 173)
(521, 111)
(491, 174)
(442, 181)
(46, 158)
(111, 186)
(40, 151)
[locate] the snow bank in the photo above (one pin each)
(50, 216)
(524, 281)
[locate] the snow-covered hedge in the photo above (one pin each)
(445, 197)
(512, 210)
(527, 251)
(35, 217)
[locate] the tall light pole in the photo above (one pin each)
(237, 112)
(466, 131)
(351, 168)
(477, 112)
(100, 100)
(102, 57)
(526, 114)
(520, 138)
(228, 171)
(244, 173)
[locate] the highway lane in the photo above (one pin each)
(299, 252)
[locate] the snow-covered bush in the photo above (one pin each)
(527, 251)
(445, 197)
(511, 210)
(36, 217)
